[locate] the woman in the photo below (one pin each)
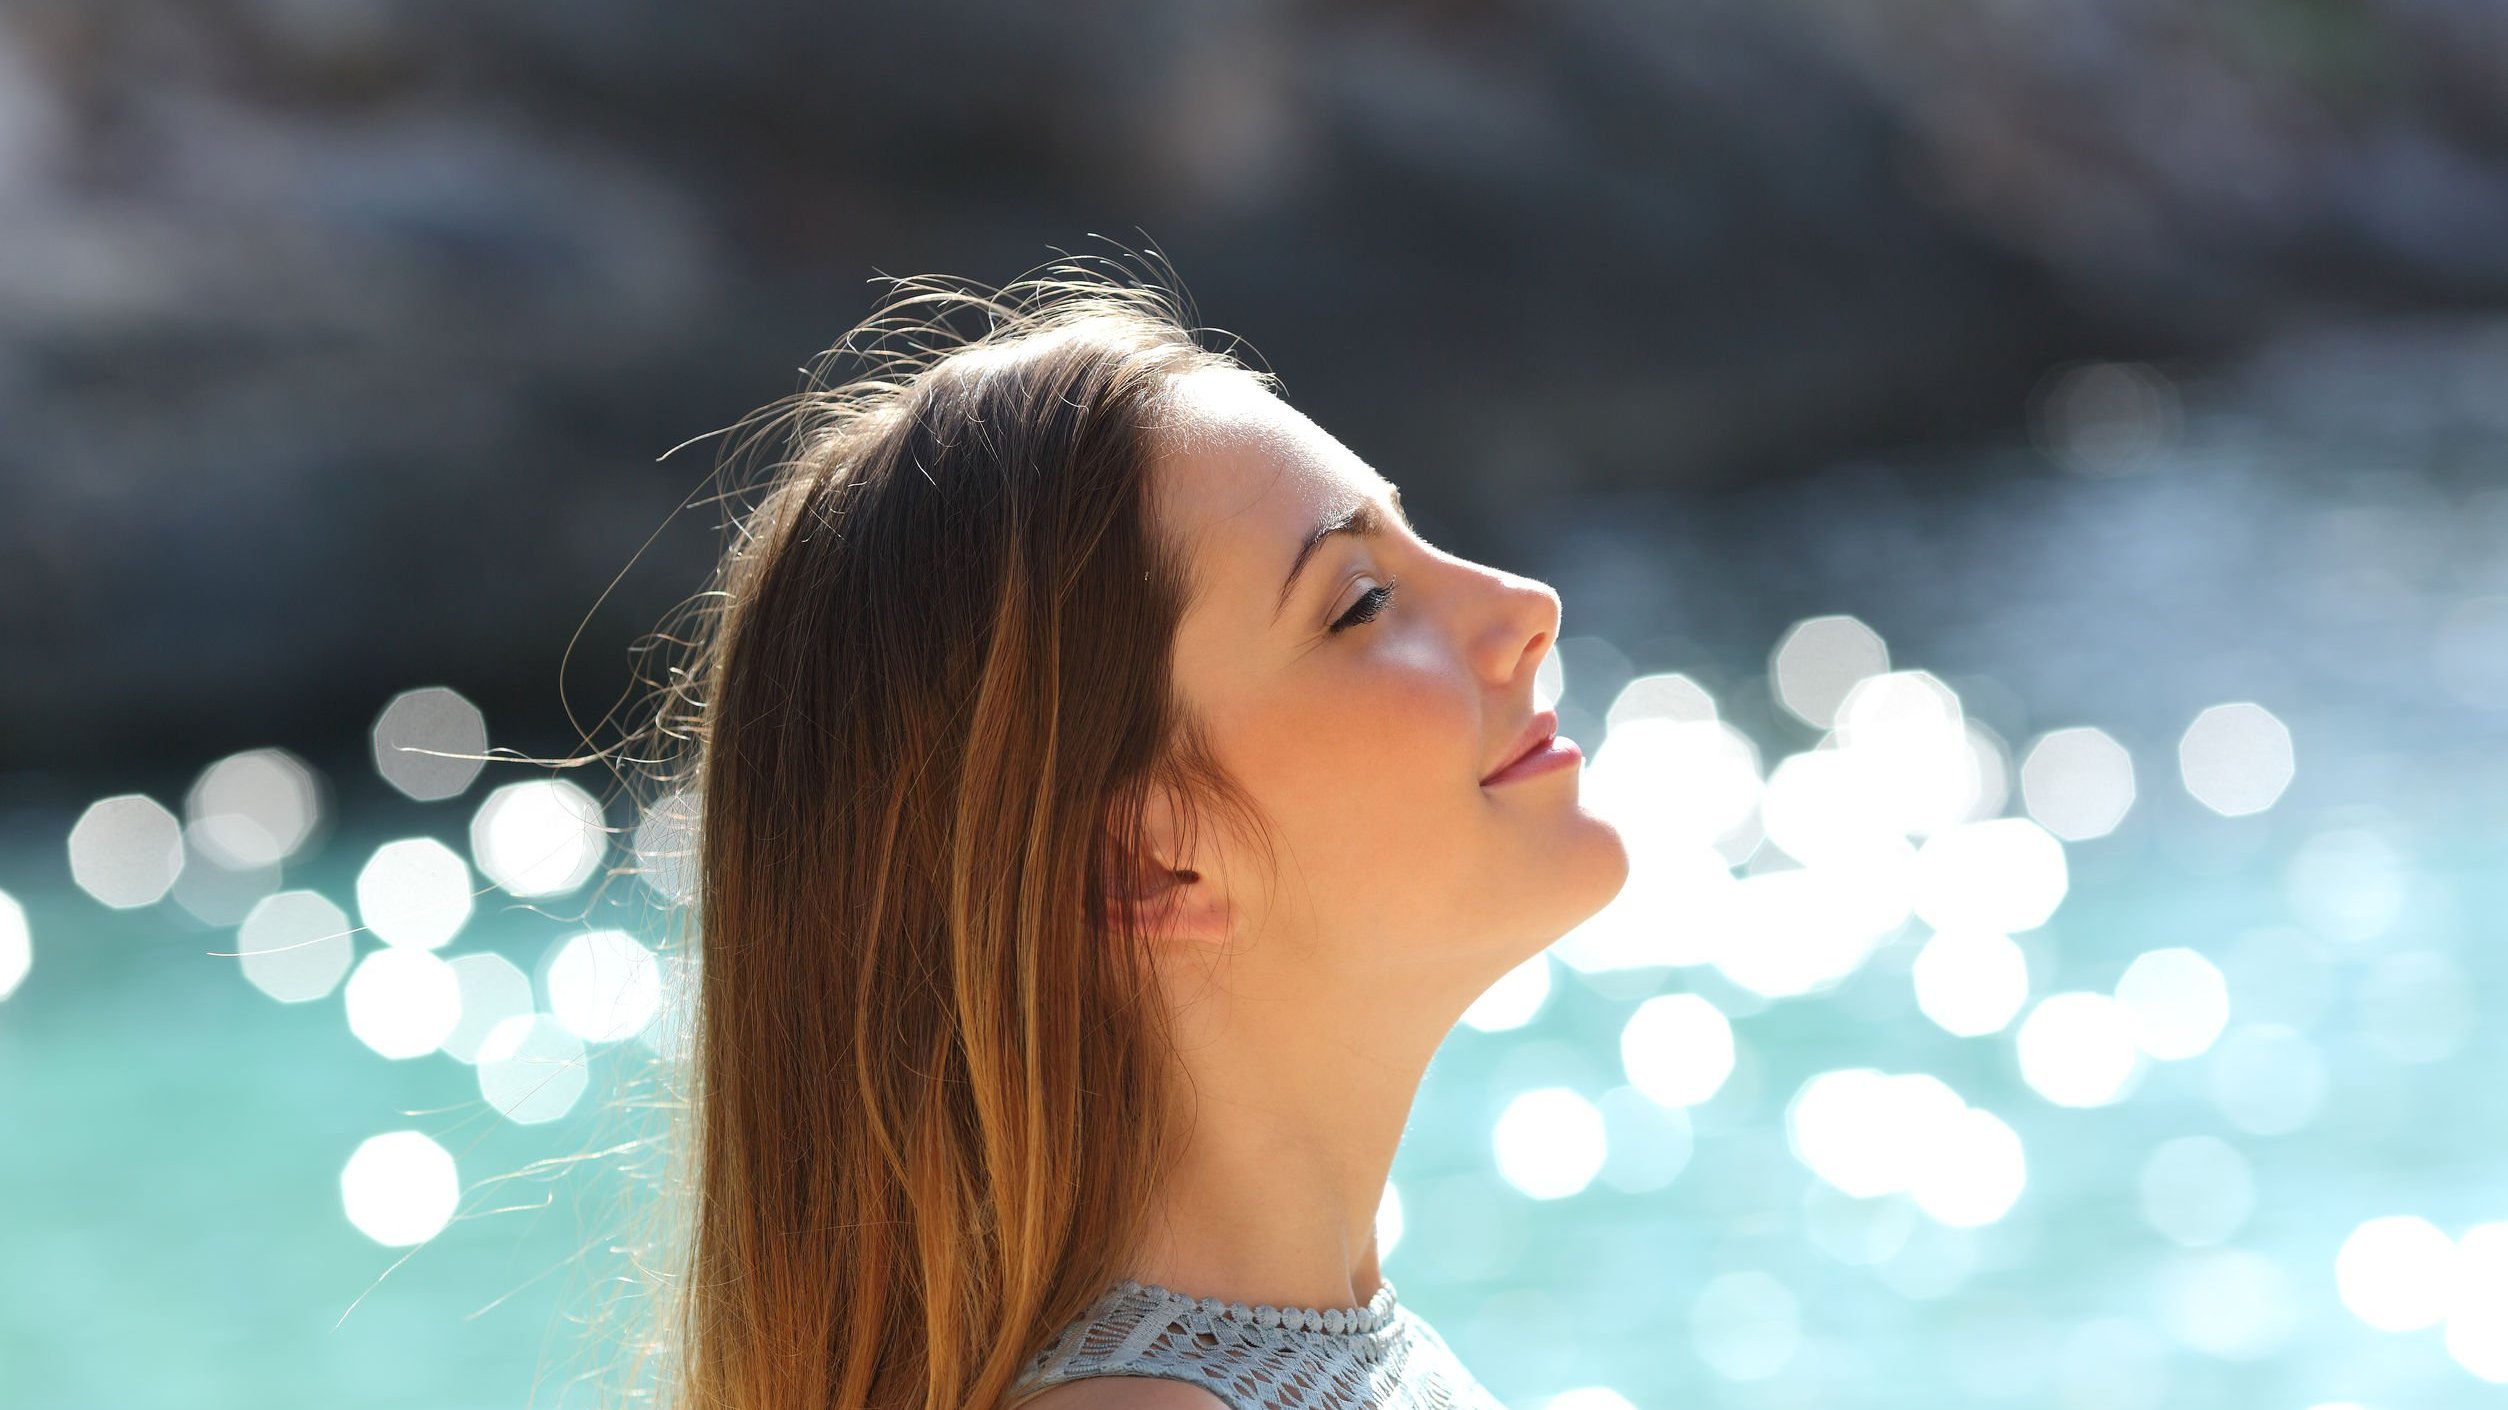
(1105, 817)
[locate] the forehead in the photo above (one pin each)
(1242, 476)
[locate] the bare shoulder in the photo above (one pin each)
(1123, 1393)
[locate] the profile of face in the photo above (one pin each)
(1361, 702)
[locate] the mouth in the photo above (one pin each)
(1538, 732)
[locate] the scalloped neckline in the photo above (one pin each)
(1376, 1316)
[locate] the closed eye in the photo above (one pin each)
(1369, 604)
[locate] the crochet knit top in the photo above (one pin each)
(1378, 1357)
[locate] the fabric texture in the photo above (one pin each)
(1379, 1357)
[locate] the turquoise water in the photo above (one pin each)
(174, 1216)
(176, 1140)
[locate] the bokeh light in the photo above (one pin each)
(2236, 759)
(2396, 1272)
(431, 718)
(1677, 1049)
(2078, 783)
(541, 837)
(402, 1002)
(1678, 782)
(126, 850)
(1663, 695)
(400, 1188)
(1912, 745)
(254, 809)
(2175, 1000)
(604, 985)
(414, 891)
(295, 946)
(1800, 930)
(1870, 1134)
(2077, 1049)
(1549, 1142)
(1819, 660)
(531, 1069)
(1970, 982)
(2001, 874)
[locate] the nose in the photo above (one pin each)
(1522, 624)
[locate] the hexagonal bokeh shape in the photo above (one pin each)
(415, 734)
(540, 837)
(2236, 758)
(414, 891)
(294, 946)
(126, 851)
(400, 1188)
(2077, 782)
(1818, 660)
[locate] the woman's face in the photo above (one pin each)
(1365, 745)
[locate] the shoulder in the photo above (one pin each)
(1123, 1393)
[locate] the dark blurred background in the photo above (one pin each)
(340, 339)
(2121, 361)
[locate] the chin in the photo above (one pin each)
(1584, 873)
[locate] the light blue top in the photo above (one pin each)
(1378, 1357)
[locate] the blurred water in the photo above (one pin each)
(2321, 532)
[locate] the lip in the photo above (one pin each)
(1535, 750)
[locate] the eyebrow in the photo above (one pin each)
(1362, 519)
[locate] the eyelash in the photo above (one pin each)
(1370, 603)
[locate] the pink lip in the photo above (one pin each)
(1541, 751)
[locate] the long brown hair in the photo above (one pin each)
(923, 707)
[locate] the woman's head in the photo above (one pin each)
(992, 728)
(1357, 683)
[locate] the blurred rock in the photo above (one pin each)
(339, 338)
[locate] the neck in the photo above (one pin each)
(1296, 1115)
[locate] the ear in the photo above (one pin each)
(1167, 902)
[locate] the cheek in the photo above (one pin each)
(1374, 764)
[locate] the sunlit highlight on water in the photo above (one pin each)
(414, 891)
(400, 1188)
(294, 946)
